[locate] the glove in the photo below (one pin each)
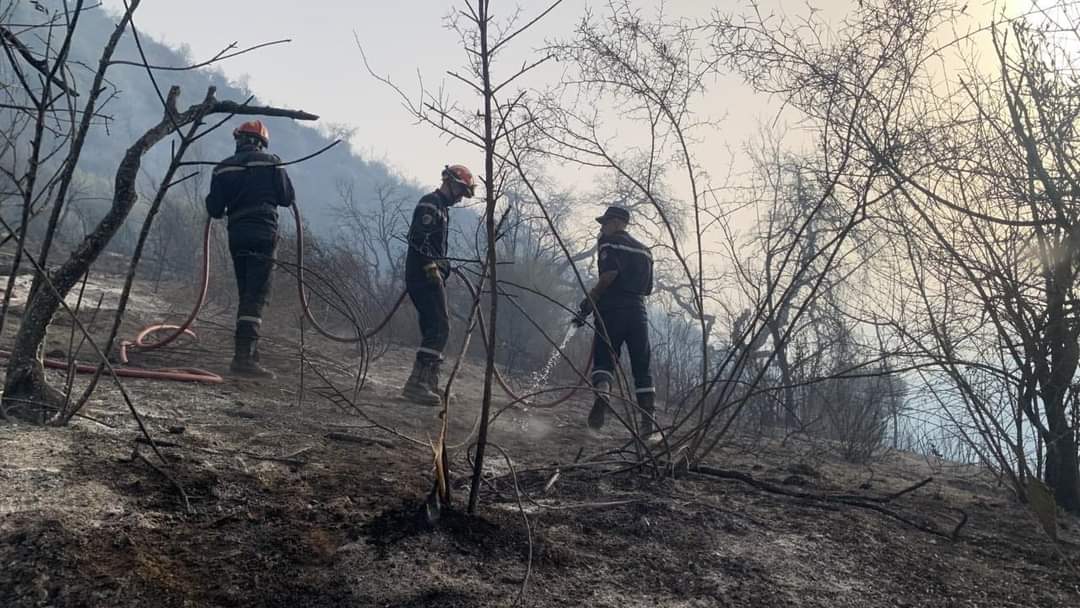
(433, 274)
(584, 310)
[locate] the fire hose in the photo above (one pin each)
(140, 341)
(198, 375)
(361, 337)
(187, 374)
(179, 374)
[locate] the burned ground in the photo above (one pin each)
(282, 515)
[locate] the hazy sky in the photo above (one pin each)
(321, 69)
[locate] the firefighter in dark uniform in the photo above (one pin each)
(248, 187)
(426, 271)
(625, 267)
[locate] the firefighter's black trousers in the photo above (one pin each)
(253, 260)
(430, 301)
(629, 326)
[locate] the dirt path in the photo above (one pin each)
(283, 516)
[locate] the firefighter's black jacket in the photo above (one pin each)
(429, 233)
(633, 261)
(248, 187)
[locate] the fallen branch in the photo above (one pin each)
(888, 497)
(870, 503)
(347, 438)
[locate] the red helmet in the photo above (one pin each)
(460, 174)
(254, 128)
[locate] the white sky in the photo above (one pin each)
(321, 69)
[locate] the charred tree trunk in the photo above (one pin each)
(492, 264)
(27, 394)
(1062, 466)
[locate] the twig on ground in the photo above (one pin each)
(551, 481)
(528, 527)
(564, 467)
(161, 444)
(137, 455)
(329, 391)
(303, 350)
(300, 452)
(52, 406)
(347, 438)
(589, 505)
(353, 427)
(282, 459)
(289, 459)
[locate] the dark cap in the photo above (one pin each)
(614, 213)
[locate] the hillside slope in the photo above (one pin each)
(137, 106)
(292, 501)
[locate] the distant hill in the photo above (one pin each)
(137, 107)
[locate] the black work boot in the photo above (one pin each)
(246, 360)
(432, 381)
(647, 428)
(431, 377)
(600, 405)
(418, 388)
